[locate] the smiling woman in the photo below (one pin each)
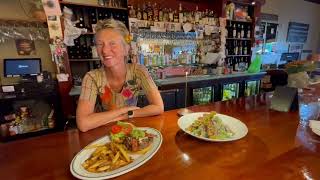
(110, 93)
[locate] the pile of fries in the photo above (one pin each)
(107, 158)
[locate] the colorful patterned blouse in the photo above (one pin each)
(95, 88)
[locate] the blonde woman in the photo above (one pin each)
(115, 86)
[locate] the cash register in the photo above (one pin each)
(28, 69)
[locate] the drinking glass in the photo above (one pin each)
(309, 107)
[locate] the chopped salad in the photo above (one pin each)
(210, 126)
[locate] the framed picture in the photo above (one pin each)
(25, 47)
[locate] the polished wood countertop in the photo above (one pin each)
(278, 146)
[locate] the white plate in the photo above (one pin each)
(239, 128)
(315, 126)
(79, 172)
(316, 131)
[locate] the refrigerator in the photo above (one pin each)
(230, 91)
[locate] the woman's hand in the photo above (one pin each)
(87, 119)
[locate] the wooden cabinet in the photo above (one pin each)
(31, 112)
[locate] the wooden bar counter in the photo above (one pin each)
(278, 146)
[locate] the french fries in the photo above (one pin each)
(107, 158)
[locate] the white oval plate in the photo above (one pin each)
(238, 127)
(79, 172)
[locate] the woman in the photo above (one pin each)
(114, 88)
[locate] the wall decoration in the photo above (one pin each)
(297, 32)
(54, 26)
(51, 7)
(25, 47)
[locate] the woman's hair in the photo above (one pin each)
(114, 25)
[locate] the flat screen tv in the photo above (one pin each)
(23, 67)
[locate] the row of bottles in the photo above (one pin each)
(88, 17)
(238, 63)
(239, 30)
(83, 48)
(163, 55)
(113, 3)
(238, 47)
(156, 13)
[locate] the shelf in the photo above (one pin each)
(30, 134)
(241, 3)
(13, 20)
(240, 39)
(91, 5)
(84, 60)
(239, 21)
(238, 55)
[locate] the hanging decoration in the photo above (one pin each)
(71, 32)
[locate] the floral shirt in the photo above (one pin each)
(95, 88)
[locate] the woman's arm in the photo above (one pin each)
(87, 119)
(155, 107)
(156, 104)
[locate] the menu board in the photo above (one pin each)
(297, 32)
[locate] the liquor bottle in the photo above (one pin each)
(211, 20)
(139, 14)
(186, 14)
(242, 32)
(170, 15)
(132, 13)
(160, 14)
(165, 15)
(180, 13)
(155, 12)
(239, 32)
(93, 17)
(205, 17)
(175, 16)
(145, 12)
(150, 12)
(234, 31)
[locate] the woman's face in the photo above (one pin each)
(111, 47)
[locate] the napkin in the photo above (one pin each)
(315, 126)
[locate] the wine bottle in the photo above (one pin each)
(248, 32)
(245, 48)
(234, 31)
(242, 32)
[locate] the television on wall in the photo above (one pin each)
(22, 67)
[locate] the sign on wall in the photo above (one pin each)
(297, 32)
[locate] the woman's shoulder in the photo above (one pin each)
(137, 67)
(95, 73)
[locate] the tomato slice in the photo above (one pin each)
(116, 129)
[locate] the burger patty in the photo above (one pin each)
(133, 144)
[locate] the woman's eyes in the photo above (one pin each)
(112, 43)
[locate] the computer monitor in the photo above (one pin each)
(23, 67)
